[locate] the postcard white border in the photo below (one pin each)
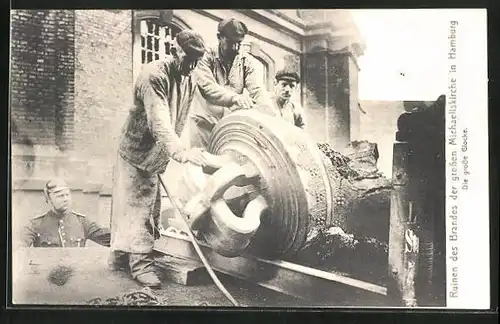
(467, 176)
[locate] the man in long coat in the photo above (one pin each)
(163, 94)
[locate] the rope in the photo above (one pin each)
(143, 297)
(198, 250)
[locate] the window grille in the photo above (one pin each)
(156, 40)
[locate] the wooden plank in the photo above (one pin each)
(281, 276)
(182, 271)
(177, 224)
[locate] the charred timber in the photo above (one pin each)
(417, 211)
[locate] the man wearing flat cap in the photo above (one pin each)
(60, 226)
(222, 75)
(163, 93)
(286, 83)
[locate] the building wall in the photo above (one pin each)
(206, 23)
(379, 124)
(101, 59)
(285, 55)
(315, 95)
(94, 89)
(352, 89)
(103, 86)
(330, 97)
(71, 76)
(28, 204)
(42, 82)
(42, 100)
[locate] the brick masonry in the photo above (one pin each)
(42, 79)
(71, 90)
(103, 86)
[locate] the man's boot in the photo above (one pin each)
(142, 270)
(149, 279)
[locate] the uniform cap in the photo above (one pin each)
(55, 185)
(232, 29)
(287, 75)
(191, 43)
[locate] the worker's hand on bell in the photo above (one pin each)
(212, 160)
(233, 108)
(196, 156)
(267, 109)
(242, 102)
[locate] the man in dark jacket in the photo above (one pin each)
(60, 226)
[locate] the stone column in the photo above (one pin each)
(330, 73)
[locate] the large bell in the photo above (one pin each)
(294, 178)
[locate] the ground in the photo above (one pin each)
(91, 279)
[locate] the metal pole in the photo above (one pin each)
(197, 248)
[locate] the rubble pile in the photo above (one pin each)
(331, 249)
(60, 275)
(362, 203)
(362, 193)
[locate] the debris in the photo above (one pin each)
(364, 156)
(143, 297)
(339, 161)
(332, 249)
(356, 242)
(361, 195)
(60, 275)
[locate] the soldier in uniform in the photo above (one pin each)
(163, 94)
(286, 83)
(60, 226)
(222, 75)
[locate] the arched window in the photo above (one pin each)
(156, 38)
(265, 64)
(263, 70)
(153, 33)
